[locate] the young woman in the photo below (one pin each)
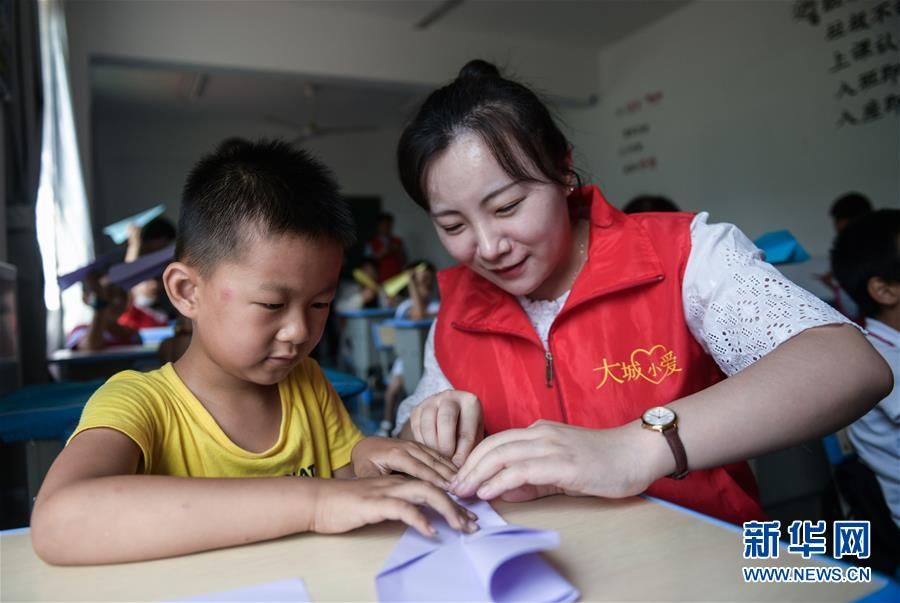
(604, 354)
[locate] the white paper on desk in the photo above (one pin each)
(291, 589)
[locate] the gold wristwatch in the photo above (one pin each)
(665, 421)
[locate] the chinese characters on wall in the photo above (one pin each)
(633, 147)
(863, 55)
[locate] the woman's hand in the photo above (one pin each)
(450, 422)
(343, 505)
(375, 457)
(552, 458)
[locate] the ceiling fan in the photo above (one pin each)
(313, 129)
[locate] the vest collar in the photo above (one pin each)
(620, 256)
(620, 253)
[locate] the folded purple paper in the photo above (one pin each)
(500, 562)
(152, 265)
(100, 265)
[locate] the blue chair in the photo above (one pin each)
(838, 447)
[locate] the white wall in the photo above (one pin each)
(296, 37)
(747, 126)
(142, 164)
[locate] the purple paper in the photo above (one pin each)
(152, 265)
(500, 562)
(100, 265)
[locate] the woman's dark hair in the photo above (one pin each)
(649, 203)
(508, 117)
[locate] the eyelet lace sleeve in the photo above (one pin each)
(432, 382)
(738, 306)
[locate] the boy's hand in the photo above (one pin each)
(343, 505)
(375, 457)
(451, 422)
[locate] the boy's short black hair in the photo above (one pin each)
(266, 185)
(850, 206)
(869, 247)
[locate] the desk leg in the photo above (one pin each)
(410, 346)
(39, 455)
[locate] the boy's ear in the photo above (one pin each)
(181, 282)
(884, 292)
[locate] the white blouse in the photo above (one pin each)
(736, 305)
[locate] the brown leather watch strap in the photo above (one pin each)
(674, 440)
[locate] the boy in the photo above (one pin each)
(866, 262)
(258, 256)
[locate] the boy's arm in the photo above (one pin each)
(345, 472)
(93, 509)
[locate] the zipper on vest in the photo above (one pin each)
(548, 371)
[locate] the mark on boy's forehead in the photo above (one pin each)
(227, 294)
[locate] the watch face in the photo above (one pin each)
(659, 415)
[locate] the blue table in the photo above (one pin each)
(51, 411)
(44, 412)
(84, 366)
(44, 416)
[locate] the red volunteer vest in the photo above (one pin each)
(619, 346)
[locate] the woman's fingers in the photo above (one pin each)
(470, 430)
(530, 492)
(487, 464)
(533, 472)
(428, 426)
(447, 423)
(486, 450)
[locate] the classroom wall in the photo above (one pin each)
(295, 37)
(743, 123)
(747, 122)
(143, 158)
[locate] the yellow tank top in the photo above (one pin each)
(177, 436)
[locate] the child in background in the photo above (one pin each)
(104, 330)
(146, 304)
(258, 257)
(358, 295)
(387, 248)
(845, 209)
(422, 303)
(866, 262)
(118, 315)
